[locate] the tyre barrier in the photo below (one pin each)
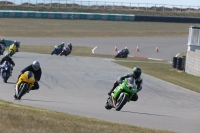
(167, 19)
(179, 63)
(66, 15)
(183, 63)
(174, 62)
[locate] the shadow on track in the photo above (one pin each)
(147, 113)
(43, 101)
(11, 83)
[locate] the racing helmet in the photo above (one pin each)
(69, 44)
(137, 72)
(7, 55)
(36, 65)
(62, 44)
(126, 47)
(15, 43)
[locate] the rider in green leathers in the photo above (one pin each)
(138, 81)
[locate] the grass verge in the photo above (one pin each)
(24, 119)
(19, 27)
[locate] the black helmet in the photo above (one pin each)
(137, 72)
(2, 40)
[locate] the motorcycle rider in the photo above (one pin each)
(126, 51)
(9, 59)
(138, 81)
(58, 47)
(15, 43)
(2, 41)
(62, 45)
(36, 69)
(68, 48)
(2, 46)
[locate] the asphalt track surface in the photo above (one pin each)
(79, 85)
(168, 46)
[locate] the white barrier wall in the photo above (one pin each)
(192, 65)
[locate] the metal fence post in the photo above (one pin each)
(155, 7)
(43, 2)
(121, 5)
(113, 5)
(73, 4)
(189, 9)
(96, 3)
(181, 9)
(28, 2)
(51, 3)
(105, 5)
(58, 3)
(146, 6)
(163, 7)
(130, 6)
(81, 3)
(66, 4)
(88, 4)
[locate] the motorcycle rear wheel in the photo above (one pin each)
(107, 106)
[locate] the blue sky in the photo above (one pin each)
(170, 2)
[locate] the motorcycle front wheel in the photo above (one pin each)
(121, 101)
(5, 76)
(22, 89)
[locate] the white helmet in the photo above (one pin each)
(36, 65)
(126, 47)
(7, 54)
(62, 44)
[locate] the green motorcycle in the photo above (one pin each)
(121, 95)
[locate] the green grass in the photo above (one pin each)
(17, 27)
(24, 119)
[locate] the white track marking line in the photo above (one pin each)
(94, 49)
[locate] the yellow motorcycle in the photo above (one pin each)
(24, 84)
(12, 49)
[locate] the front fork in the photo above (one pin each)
(115, 94)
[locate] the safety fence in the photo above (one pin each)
(102, 5)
